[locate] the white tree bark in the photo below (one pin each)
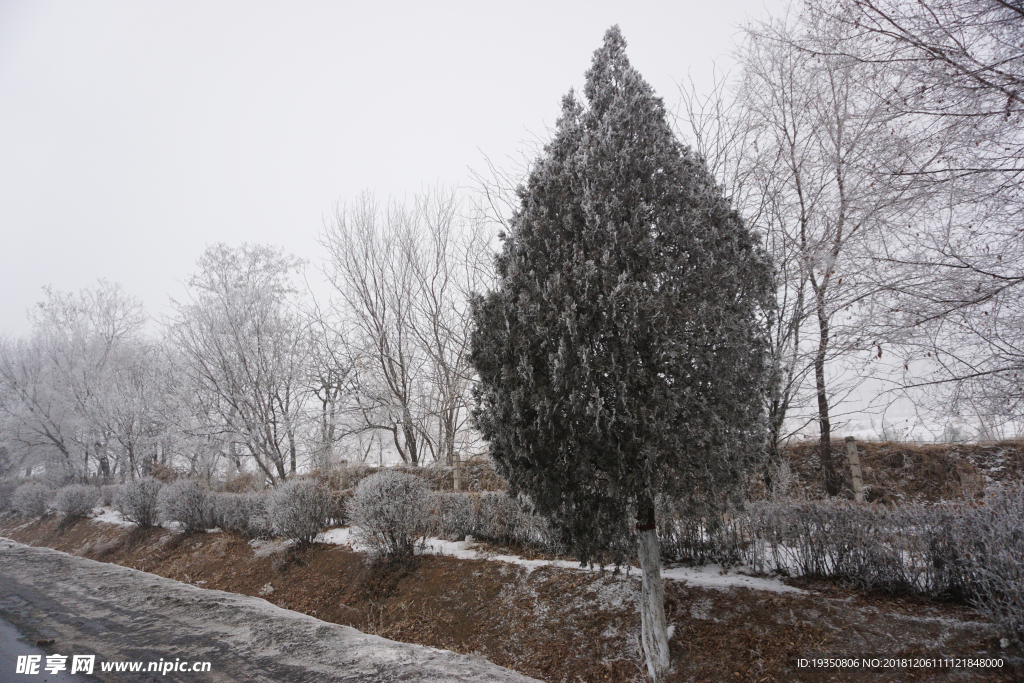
(652, 606)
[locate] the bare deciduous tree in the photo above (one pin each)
(403, 275)
(243, 344)
(330, 380)
(724, 132)
(808, 152)
(953, 271)
(59, 402)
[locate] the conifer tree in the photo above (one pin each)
(622, 355)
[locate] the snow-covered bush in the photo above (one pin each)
(502, 518)
(32, 499)
(992, 542)
(245, 513)
(107, 493)
(136, 500)
(301, 509)
(7, 494)
(901, 550)
(489, 516)
(188, 502)
(452, 515)
(76, 500)
(392, 511)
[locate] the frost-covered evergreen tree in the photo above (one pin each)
(622, 355)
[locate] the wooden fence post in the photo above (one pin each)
(854, 459)
(457, 471)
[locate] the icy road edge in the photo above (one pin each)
(120, 613)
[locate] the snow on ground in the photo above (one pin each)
(111, 516)
(266, 548)
(713, 576)
(708, 576)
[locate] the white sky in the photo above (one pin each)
(134, 134)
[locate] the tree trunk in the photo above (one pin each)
(105, 468)
(292, 452)
(654, 627)
(824, 424)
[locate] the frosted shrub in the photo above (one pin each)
(340, 504)
(931, 556)
(491, 516)
(392, 511)
(973, 550)
(137, 501)
(229, 513)
(782, 480)
(76, 500)
(903, 550)
(6, 494)
(32, 499)
(992, 541)
(697, 531)
(107, 493)
(188, 502)
(863, 546)
(301, 509)
(452, 515)
(244, 513)
(502, 518)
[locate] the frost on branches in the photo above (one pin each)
(392, 511)
(623, 353)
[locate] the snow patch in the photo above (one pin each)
(713, 576)
(111, 516)
(708, 576)
(701, 609)
(265, 548)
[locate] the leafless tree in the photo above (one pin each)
(723, 131)
(808, 151)
(375, 285)
(330, 381)
(58, 402)
(403, 274)
(954, 270)
(244, 349)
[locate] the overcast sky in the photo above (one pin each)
(134, 134)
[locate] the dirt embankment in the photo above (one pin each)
(553, 624)
(901, 473)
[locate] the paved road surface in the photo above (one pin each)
(12, 644)
(121, 614)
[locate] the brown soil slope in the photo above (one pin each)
(554, 624)
(901, 473)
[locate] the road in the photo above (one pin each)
(13, 643)
(123, 615)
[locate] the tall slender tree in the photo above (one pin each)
(623, 353)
